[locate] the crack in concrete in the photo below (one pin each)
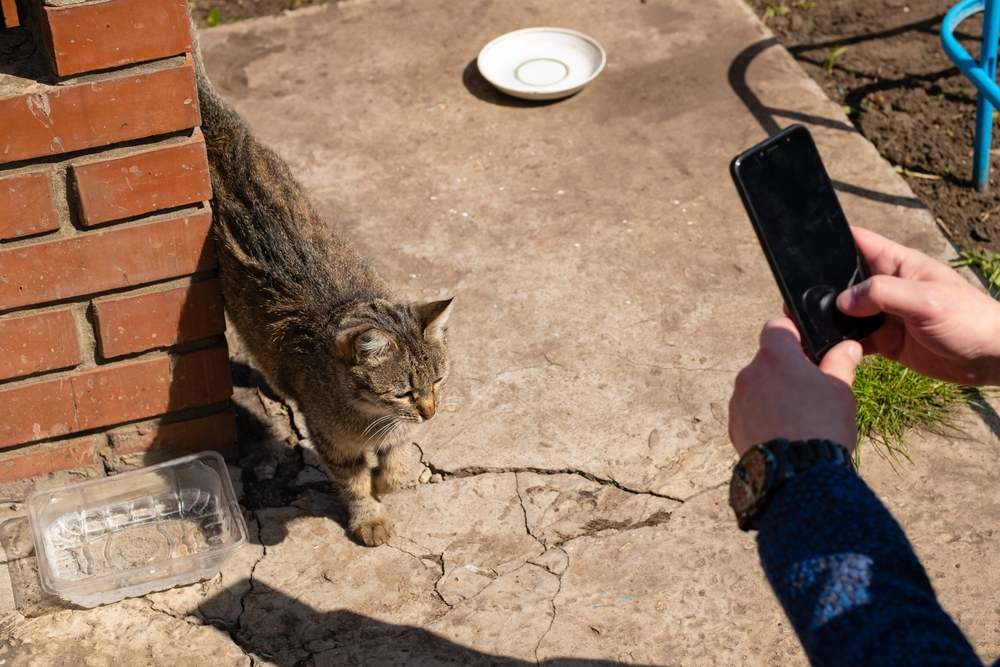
(714, 487)
(293, 423)
(233, 628)
(473, 471)
(190, 620)
(438, 559)
(524, 511)
(552, 603)
(250, 580)
(676, 367)
(195, 622)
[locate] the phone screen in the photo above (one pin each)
(804, 233)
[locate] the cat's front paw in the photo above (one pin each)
(373, 533)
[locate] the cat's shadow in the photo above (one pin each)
(269, 471)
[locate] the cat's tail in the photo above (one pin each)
(218, 119)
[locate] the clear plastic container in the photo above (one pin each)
(167, 525)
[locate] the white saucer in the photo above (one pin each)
(541, 63)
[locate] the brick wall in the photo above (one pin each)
(111, 321)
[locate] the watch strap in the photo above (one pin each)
(791, 458)
(795, 457)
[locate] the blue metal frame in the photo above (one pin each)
(982, 74)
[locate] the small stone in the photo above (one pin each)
(309, 475)
(425, 476)
(265, 469)
(310, 456)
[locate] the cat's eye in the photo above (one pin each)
(439, 380)
(407, 394)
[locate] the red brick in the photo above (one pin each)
(26, 205)
(216, 432)
(35, 411)
(99, 35)
(130, 324)
(9, 10)
(113, 394)
(34, 343)
(60, 119)
(98, 261)
(50, 457)
(139, 389)
(143, 182)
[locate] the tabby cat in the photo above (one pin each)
(321, 325)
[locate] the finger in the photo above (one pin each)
(734, 415)
(889, 258)
(908, 299)
(780, 333)
(842, 360)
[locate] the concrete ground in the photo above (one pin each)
(569, 503)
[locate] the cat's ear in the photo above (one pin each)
(433, 317)
(364, 345)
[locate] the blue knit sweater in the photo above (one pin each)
(848, 578)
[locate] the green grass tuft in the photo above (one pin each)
(987, 263)
(833, 57)
(893, 400)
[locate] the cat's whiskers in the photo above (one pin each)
(385, 427)
(375, 422)
(399, 426)
(387, 436)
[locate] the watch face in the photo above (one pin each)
(750, 479)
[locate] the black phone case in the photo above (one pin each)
(821, 312)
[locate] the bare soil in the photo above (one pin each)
(903, 93)
(229, 11)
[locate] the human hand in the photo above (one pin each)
(782, 394)
(937, 323)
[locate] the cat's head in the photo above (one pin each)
(396, 358)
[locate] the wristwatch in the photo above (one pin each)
(765, 467)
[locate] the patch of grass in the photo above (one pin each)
(893, 400)
(833, 57)
(772, 9)
(986, 263)
(213, 18)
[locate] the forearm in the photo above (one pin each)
(848, 579)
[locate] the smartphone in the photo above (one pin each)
(804, 235)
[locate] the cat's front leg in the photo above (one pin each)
(390, 473)
(367, 520)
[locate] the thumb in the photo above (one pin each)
(886, 294)
(841, 361)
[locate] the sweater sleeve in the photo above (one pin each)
(848, 579)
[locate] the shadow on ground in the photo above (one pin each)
(766, 116)
(483, 90)
(352, 639)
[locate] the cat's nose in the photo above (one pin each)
(426, 407)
